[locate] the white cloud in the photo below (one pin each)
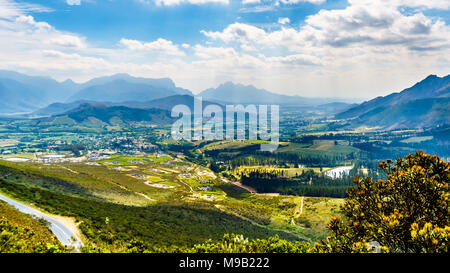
(438, 4)
(284, 20)
(214, 52)
(68, 41)
(194, 2)
(248, 2)
(317, 2)
(296, 60)
(257, 9)
(357, 25)
(159, 46)
(366, 49)
(10, 9)
(243, 33)
(73, 2)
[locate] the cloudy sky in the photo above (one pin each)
(316, 48)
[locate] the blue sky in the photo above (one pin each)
(105, 22)
(320, 48)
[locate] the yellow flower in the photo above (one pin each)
(414, 234)
(358, 244)
(435, 242)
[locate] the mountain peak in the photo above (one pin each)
(429, 88)
(430, 77)
(68, 81)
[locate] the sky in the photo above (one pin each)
(312, 48)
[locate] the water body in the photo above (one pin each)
(17, 159)
(339, 172)
(64, 234)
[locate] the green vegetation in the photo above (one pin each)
(407, 212)
(20, 233)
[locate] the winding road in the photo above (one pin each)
(63, 233)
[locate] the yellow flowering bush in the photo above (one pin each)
(406, 212)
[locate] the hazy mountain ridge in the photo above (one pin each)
(121, 90)
(167, 103)
(431, 87)
(230, 92)
(22, 93)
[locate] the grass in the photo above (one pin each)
(417, 139)
(317, 212)
(323, 147)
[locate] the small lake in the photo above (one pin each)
(339, 172)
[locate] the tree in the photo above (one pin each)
(406, 212)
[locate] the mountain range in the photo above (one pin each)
(248, 94)
(21, 93)
(165, 103)
(425, 104)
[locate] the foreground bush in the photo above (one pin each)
(238, 244)
(15, 239)
(406, 212)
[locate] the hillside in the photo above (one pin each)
(413, 114)
(111, 114)
(166, 103)
(431, 87)
(58, 108)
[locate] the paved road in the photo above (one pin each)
(63, 233)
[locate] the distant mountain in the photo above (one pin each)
(334, 107)
(422, 113)
(17, 97)
(164, 83)
(431, 87)
(168, 103)
(47, 88)
(103, 114)
(248, 94)
(22, 93)
(120, 91)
